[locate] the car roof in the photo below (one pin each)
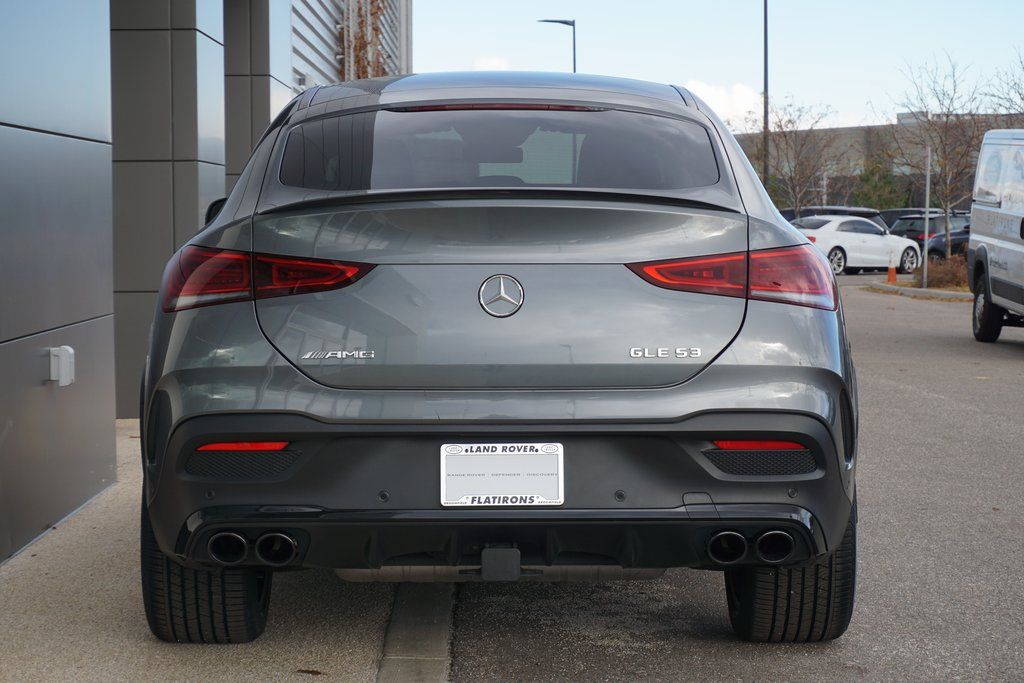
(933, 215)
(494, 85)
(1004, 134)
(837, 217)
(841, 210)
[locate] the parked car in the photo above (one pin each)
(428, 335)
(912, 227)
(890, 216)
(852, 244)
(958, 240)
(872, 215)
(995, 251)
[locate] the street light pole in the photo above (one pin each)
(571, 23)
(927, 213)
(764, 130)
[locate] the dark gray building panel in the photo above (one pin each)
(168, 91)
(141, 64)
(134, 315)
(143, 224)
(61, 86)
(55, 265)
(197, 65)
(56, 443)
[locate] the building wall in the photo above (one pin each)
(315, 42)
(257, 73)
(167, 87)
(56, 443)
(212, 74)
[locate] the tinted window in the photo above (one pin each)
(869, 228)
(956, 222)
(861, 227)
(810, 223)
(499, 148)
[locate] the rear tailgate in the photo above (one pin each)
(585, 321)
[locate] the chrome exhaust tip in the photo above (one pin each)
(276, 549)
(727, 547)
(774, 546)
(228, 548)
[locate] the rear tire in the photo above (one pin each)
(837, 260)
(986, 317)
(799, 605)
(200, 606)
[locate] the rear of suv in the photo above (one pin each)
(493, 327)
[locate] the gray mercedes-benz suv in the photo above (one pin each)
(492, 326)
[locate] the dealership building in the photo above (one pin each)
(113, 142)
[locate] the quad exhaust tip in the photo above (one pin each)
(727, 547)
(774, 546)
(228, 548)
(276, 549)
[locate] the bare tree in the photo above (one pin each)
(803, 153)
(946, 113)
(359, 39)
(1006, 91)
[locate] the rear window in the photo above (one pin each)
(810, 223)
(906, 224)
(598, 149)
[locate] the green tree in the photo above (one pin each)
(878, 187)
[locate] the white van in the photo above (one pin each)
(995, 253)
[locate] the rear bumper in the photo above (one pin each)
(640, 495)
(630, 538)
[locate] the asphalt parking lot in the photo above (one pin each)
(940, 592)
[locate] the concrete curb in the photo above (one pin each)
(417, 639)
(915, 293)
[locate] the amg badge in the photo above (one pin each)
(340, 355)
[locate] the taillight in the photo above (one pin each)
(279, 276)
(199, 276)
(812, 239)
(502, 106)
(725, 274)
(793, 275)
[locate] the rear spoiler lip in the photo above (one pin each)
(373, 197)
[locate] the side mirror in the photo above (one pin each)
(967, 228)
(214, 208)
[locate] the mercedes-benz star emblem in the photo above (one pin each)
(501, 295)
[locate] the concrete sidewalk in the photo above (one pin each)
(70, 608)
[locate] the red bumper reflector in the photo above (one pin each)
(244, 446)
(758, 445)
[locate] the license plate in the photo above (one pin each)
(478, 474)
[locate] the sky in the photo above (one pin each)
(851, 56)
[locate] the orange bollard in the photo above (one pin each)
(892, 275)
